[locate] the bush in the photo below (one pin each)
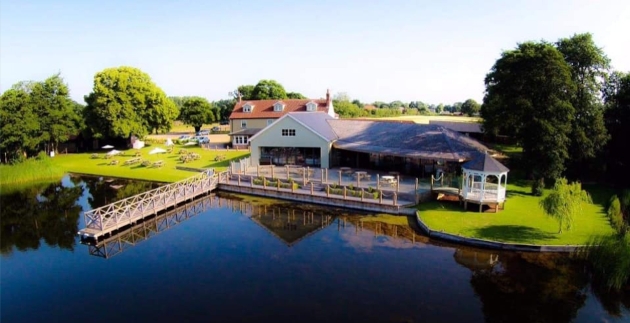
(41, 156)
(624, 201)
(538, 187)
(614, 214)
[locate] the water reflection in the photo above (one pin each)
(40, 212)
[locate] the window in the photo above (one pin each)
(278, 107)
(240, 140)
(311, 106)
(248, 107)
(270, 121)
(243, 124)
(288, 132)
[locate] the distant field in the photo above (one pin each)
(426, 119)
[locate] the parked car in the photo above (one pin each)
(224, 122)
(183, 138)
(203, 132)
(215, 129)
(203, 140)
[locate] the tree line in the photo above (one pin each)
(564, 106)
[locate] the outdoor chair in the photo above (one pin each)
(94, 156)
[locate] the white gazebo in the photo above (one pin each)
(484, 180)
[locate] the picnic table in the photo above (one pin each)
(132, 161)
(158, 163)
(113, 162)
(94, 156)
(388, 179)
(219, 157)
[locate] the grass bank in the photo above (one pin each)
(31, 170)
(82, 163)
(522, 221)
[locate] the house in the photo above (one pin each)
(319, 140)
(250, 117)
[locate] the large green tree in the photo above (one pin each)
(617, 98)
(55, 110)
(589, 66)
(196, 112)
(126, 102)
(19, 125)
(470, 107)
(269, 90)
(295, 95)
(528, 96)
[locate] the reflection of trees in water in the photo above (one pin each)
(530, 288)
(103, 191)
(40, 212)
(404, 232)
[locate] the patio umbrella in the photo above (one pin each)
(169, 142)
(107, 147)
(157, 151)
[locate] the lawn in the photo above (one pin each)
(83, 164)
(522, 221)
(426, 119)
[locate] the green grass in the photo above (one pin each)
(84, 164)
(31, 170)
(522, 221)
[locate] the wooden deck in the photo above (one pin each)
(106, 219)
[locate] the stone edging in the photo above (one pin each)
(487, 244)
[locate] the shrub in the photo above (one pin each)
(615, 215)
(42, 155)
(538, 187)
(624, 200)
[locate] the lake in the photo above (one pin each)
(237, 258)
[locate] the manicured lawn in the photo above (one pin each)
(84, 164)
(522, 221)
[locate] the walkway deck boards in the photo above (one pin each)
(112, 217)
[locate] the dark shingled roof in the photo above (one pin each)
(485, 163)
(404, 139)
(246, 132)
(470, 127)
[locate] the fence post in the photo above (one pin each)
(311, 188)
(272, 172)
(278, 184)
(251, 181)
(257, 170)
(361, 194)
(307, 173)
(303, 177)
(265, 182)
(431, 182)
(395, 199)
(339, 178)
(378, 181)
(416, 191)
(327, 190)
(287, 169)
(380, 196)
(397, 182)
(239, 180)
(344, 192)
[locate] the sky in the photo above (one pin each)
(429, 51)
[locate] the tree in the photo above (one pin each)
(528, 97)
(295, 95)
(439, 108)
(19, 125)
(565, 202)
(588, 70)
(126, 102)
(470, 107)
(246, 92)
(457, 107)
(55, 111)
(617, 98)
(224, 108)
(196, 112)
(346, 109)
(341, 96)
(268, 90)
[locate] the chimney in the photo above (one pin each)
(240, 97)
(327, 96)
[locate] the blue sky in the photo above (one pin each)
(432, 51)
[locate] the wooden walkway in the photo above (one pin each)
(115, 216)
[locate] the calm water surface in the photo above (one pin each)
(235, 258)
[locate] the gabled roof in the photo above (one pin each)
(313, 121)
(264, 108)
(470, 127)
(404, 139)
(485, 163)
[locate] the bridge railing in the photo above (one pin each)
(154, 200)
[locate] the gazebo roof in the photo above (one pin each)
(485, 163)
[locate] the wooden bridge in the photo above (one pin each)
(118, 215)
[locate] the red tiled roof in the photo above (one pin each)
(263, 109)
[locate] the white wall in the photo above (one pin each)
(272, 137)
